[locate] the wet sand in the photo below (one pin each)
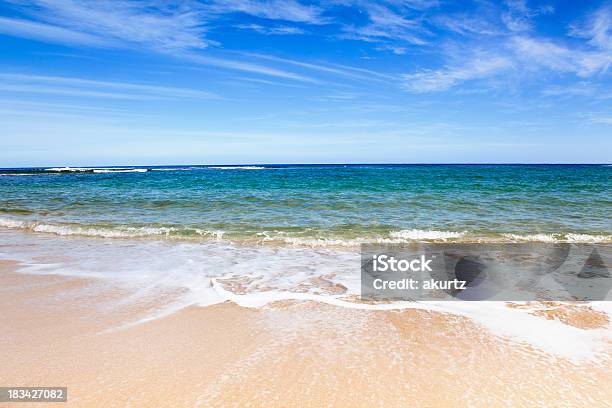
(59, 331)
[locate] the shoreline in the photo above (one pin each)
(279, 239)
(73, 332)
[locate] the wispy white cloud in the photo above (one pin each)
(384, 16)
(46, 32)
(97, 89)
(415, 4)
(334, 69)
(249, 67)
(387, 24)
(275, 30)
(509, 17)
(240, 81)
(597, 28)
(466, 24)
(177, 29)
(153, 24)
(581, 88)
(522, 54)
(517, 16)
(598, 118)
(288, 10)
(593, 58)
(534, 52)
(62, 91)
(377, 33)
(594, 91)
(395, 49)
(339, 97)
(54, 107)
(540, 52)
(518, 49)
(368, 73)
(479, 67)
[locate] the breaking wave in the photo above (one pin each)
(96, 170)
(569, 237)
(109, 231)
(276, 237)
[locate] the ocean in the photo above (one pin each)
(314, 205)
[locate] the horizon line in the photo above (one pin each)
(322, 164)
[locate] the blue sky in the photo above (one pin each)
(249, 81)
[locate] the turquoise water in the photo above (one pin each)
(315, 204)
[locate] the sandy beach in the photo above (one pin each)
(79, 333)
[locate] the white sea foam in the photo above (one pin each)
(107, 232)
(237, 167)
(12, 223)
(95, 170)
(396, 237)
(415, 234)
(142, 232)
(73, 169)
(588, 238)
(120, 170)
(519, 325)
(573, 238)
(254, 276)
